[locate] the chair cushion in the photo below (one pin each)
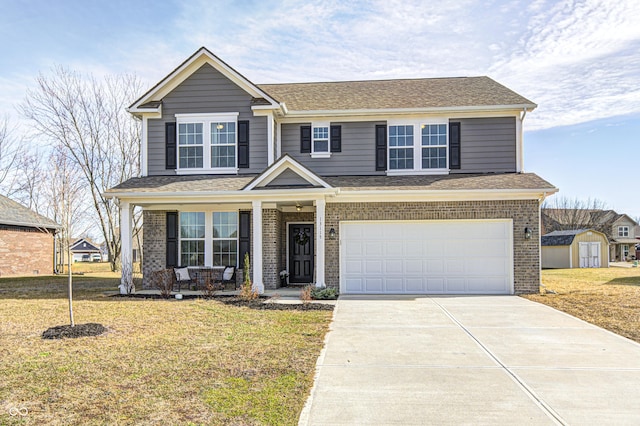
(228, 273)
(182, 274)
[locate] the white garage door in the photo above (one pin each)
(426, 257)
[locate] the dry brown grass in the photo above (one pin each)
(161, 362)
(606, 297)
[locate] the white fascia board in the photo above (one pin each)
(146, 112)
(440, 195)
(281, 165)
(274, 195)
(401, 111)
(201, 57)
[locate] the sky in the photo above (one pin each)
(578, 60)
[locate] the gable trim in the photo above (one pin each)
(286, 163)
(185, 70)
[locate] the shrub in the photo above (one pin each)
(328, 293)
(305, 294)
(163, 281)
(246, 289)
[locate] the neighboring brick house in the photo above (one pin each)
(620, 229)
(394, 186)
(26, 240)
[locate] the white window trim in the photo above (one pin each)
(180, 239)
(208, 234)
(623, 231)
(206, 120)
(321, 154)
(417, 147)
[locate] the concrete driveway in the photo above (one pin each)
(470, 360)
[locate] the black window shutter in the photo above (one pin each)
(243, 144)
(244, 237)
(454, 145)
(381, 147)
(336, 138)
(172, 239)
(170, 145)
(305, 139)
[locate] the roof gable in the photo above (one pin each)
(150, 101)
(565, 238)
(288, 172)
(14, 213)
(84, 245)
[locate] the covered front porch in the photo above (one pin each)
(285, 238)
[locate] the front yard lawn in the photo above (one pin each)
(161, 362)
(606, 297)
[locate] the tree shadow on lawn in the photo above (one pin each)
(631, 281)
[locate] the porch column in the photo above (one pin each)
(258, 285)
(126, 251)
(320, 207)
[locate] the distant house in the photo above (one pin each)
(578, 248)
(26, 240)
(619, 228)
(83, 250)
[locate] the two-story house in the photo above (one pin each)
(409, 186)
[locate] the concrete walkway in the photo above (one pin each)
(470, 360)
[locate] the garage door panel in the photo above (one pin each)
(373, 285)
(394, 285)
(417, 257)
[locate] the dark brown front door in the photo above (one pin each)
(301, 253)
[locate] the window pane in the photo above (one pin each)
(223, 156)
(434, 158)
(320, 146)
(192, 253)
(225, 225)
(401, 158)
(192, 225)
(223, 133)
(190, 133)
(434, 134)
(190, 157)
(225, 252)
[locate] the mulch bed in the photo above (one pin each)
(238, 301)
(79, 330)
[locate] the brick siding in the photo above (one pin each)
(25, 251)
(526, 258)
(524, 213)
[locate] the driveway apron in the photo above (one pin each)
(410, 360)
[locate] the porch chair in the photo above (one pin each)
(182, 276)
(229, 277)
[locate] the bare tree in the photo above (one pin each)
(563, 213)
(87, 118)
(11, 150)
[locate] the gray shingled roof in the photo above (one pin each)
(13, 213)
(560, 238)
(205, 183)
(390, 94)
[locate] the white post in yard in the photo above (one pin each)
(320, 208)
(126, 247)
(258, 285)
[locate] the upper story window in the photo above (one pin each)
(320, 141)
(434, 146)
(431, 152)
(223, 144)
(401, 147)
(623, 231)
(219, 155)
(190, 147)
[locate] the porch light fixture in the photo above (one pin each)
(527, 233)
(332, 234)
(220, 126)
(298, 207)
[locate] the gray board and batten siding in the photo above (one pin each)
(487, 145)
(207, 91)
